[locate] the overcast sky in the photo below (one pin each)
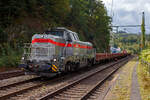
(129, 12)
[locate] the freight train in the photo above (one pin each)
(60, 50)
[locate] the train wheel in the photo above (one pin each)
(68, 67)
(76, 66)
(72, 67)
(89, 63)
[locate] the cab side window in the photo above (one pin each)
(77, 38)
(74, 36)
(68, 38)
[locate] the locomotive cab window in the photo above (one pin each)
(74, 36)
(69, 38)
(77, 38)
(56, 33)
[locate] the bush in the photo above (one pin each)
(10, 57)
(145, 55)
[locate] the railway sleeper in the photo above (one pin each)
(65, 98)
(73, 91)
(78, 91)
(68, 96)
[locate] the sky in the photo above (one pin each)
(129, 12)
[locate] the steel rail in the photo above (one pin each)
(19, 91)
(57, 91)
(10, 74)
(36, 86)
(46, 82)
(19, 83)
(101, 82)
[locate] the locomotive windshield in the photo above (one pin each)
(56, 33)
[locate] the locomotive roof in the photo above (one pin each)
(62, 28)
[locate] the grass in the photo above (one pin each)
(144, 81)
(122, 87)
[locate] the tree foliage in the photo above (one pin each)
(20, 19)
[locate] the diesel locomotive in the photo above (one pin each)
(55, 51)
(59, 50)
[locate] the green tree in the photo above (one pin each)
(143, 31)
(91, 17)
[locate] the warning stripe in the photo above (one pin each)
(55, 67)
(60, 44)
(51, 41)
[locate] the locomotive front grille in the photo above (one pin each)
(39, 52)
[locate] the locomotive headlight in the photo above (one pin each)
(22, 58)
(55, 60)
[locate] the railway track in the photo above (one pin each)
(83, 88)
(10, 90)
(18, 83)
(15, 89)
(10, 74)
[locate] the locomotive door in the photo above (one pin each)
(68, 47)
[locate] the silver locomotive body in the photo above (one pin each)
(55, 51)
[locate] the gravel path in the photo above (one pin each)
(135, 92)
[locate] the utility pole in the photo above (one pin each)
(143, 31)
